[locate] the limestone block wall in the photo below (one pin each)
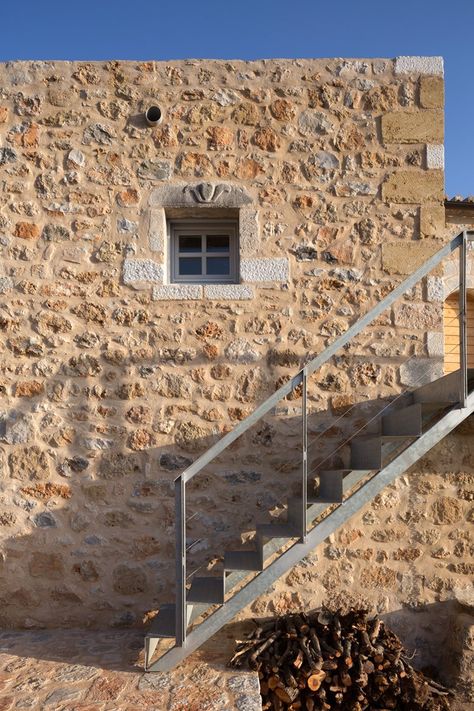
(113, 379)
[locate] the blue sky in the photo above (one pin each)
(250, 29)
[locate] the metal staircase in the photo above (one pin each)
(391, 442)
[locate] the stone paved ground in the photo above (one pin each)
(85, 670)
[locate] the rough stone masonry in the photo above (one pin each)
(113, 379)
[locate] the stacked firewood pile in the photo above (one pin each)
(326, 660)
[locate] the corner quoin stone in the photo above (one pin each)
(425, 126)
(432, 92)
(435, 157)
(414, 186)
(432, 218)
(419, 65)
(264, 270)
(406, 257)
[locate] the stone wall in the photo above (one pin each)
(113, 379)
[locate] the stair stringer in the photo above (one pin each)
(258, 585)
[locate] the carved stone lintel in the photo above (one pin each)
(205, 194)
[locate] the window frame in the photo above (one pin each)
(204, 228)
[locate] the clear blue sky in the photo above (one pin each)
(250, 29)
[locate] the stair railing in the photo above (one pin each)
(301, 379)
(316, 441)
(376, 416)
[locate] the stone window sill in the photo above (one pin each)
(140, 273)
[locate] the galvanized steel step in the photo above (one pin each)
(209, 590)
(243, 560)
(445, 389)
(405, 421)
(277, 530)
(164, 624)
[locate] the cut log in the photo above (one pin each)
(329, 665)
(309, 659)
(273, 682)
(262, 647)
(298, 660)
(315, 680)
(287, 695)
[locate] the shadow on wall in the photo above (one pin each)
(95, 544)
(93, 522)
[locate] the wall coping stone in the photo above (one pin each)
(419, 65)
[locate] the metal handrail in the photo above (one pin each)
(417, 380)
(376, 416)
(320, 359)
(460, 241)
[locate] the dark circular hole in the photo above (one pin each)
(153, 113)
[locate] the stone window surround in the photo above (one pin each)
(203, 200)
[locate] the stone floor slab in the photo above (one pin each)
(83, 670)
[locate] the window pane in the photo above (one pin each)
(190, 244)
(190, 266)
(218, 266)
(217, 243)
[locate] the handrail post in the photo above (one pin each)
(180, 534)
(304, 471)
(463, 321)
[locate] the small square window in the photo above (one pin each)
(204, 252)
